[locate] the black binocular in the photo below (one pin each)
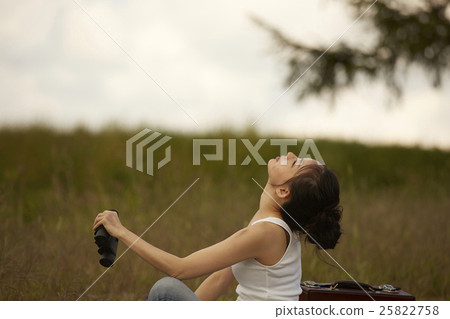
(107, 244)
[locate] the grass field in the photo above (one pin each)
(396, 213)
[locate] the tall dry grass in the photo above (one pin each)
(52, 185)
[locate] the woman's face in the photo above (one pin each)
(283, 168)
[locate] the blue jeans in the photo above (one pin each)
(171, 289)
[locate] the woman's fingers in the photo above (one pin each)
(98, 220)
(105, 217)
(96, 224)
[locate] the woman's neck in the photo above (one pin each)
(268, 204)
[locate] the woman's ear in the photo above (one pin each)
(282, 192)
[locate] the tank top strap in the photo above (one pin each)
(275, 220)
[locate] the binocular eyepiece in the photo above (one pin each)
(107, 244)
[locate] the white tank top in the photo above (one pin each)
(276, 282)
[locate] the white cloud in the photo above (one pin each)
(57, 65)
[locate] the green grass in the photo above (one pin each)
(52, 185)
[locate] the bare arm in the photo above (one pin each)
(241, 245)
(156, 257)
(246, 243)
(215, 285)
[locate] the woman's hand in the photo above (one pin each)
(111, 221)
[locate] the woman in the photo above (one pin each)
(301, 197)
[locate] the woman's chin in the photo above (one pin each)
(270, 164)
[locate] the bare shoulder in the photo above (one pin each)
(260, 231)
(268, 231)
(262, 238)
(273, 242)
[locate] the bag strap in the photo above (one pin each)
(350, 284)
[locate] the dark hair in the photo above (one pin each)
(313, 208)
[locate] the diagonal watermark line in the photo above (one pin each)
(314, 62)
(133, 60)
(170, 206)
(313, 239)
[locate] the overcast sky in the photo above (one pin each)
(57, 66)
